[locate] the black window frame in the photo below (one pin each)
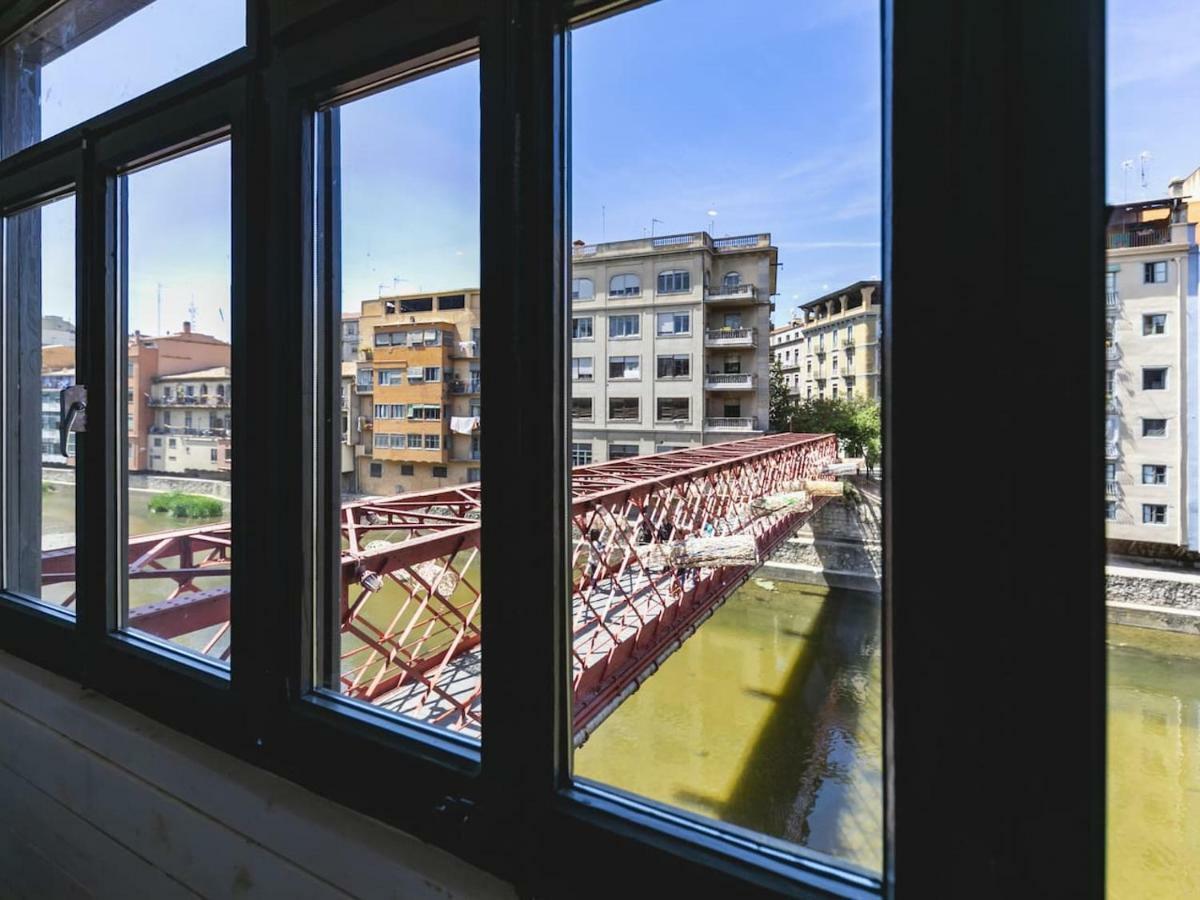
(950, 68)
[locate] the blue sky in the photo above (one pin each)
(678, 108)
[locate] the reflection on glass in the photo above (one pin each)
(178, 400)
(725, 314)
(39, 248)
(49, 81)
(406, 636)
(1151, 452)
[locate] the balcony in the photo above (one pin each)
(1112, 450)
(732, 423)
(464, 387)
(731, 337)
(1112, 353)
(464, 350)
(1112, 405)
(207, 401)
(720, 381)
(364, 387)
(1112, 489)
(1139, 235)
(189, 431)
(735, 294)
(1112, 300)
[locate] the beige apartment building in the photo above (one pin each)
(1152, 391)
(669, 343)
(414, 414)
(841, 342)
(192, 421)
(151, 358)
(787, 347)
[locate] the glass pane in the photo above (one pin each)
(405, 635)
(39, 251)
(49, 84)
(1152, 453)
(726, 607)
(175, 279)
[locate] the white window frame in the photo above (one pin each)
(625, 290)
(634, 335)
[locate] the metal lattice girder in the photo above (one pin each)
(410, 598)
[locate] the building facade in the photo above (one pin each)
(151, 358)
(669, 343)
(192, 421)
(841, 343)
(787, 348)
(416, 397)
(1152, 378)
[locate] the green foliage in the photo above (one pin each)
(48, 488)
(854, 420)
(782, 404)
(186, 506)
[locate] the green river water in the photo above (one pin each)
(769, 718)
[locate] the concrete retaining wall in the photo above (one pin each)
(140, 481)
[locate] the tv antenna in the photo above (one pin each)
(712, 221)
(1143, 158)
(192, 311)
(1126, 165)
(652, 221)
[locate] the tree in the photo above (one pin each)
(855, 421)
(782, 404)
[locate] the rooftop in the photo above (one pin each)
(840, 292)
(198, 374)
(671, 243)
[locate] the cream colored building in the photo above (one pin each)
(417, 393)
(192, 421)
(787, 347)
(841, 343)
(1152, 442)
(669, 343)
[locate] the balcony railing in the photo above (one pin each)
(732, 423)
(208, 400)
(1112, 352)
(1112, 450)
(464, 387)
(731, 337)
(1112, 489)
(188, 430)
(848, 341)
(1138, 236)
(734, 293)
(1112, 299)
(696, 239)
(364, 387)
(726, 381)
(1111, 404)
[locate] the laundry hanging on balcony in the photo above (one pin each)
(464, 424)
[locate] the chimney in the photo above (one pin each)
(187, 327)
(1175, 188)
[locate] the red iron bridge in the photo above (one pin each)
(411, 602)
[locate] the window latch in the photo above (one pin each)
(72, 405)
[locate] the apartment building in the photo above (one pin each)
(1152, 379)
(417, 388)
(841, 342)
(192, 421)
(58, 372)
(669, 342)
(787, 347)
(151, 358)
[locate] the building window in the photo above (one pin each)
(622, 451)
(382, 440)
(158, 442)
(414, 441)
(406, 468)
(674, 282)
(1154, 324)
(1154, 427)
(624, 367)
(385, 339)
(1154, 272)
(1154, 514)
(624, 409)
(391, 376)
(1154, 474)
(453, 301)
(1110, 471)
(673, 409)
(581, 368)
(628, 285)
(439, 471)
(1110, 509)
(624, 326)
(731, 280)
(1154, 379)
(376, 470)
(473, 474)
(416, 304)
(383, 410)
(424, 412)
(582, 289)
(674, 323)
(581, 407)
(676, 365)
(213, 455)
(581, 454)
(581, 328)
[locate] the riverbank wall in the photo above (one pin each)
(141, 481)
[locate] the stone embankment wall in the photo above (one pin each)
(840, 546)
(143, 482)
(1167, 599)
